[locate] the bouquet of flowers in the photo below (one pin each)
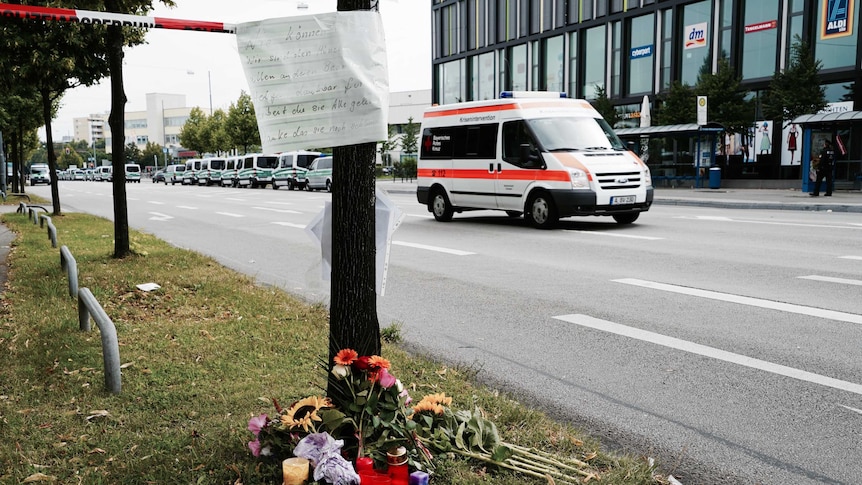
(369, 412)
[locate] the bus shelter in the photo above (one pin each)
(677, 155)
(843, 129)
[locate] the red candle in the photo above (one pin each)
(364, 463)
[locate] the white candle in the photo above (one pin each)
(295, 471)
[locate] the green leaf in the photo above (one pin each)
(501, 453)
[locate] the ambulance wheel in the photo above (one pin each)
(626, 218)
(541, 212)
(290, 184)
(514, 214)
(441, 207)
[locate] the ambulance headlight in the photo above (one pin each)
(647, 177)
(579, 179)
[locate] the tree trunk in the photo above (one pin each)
(353, 303)
(116, 120)
(52, 157)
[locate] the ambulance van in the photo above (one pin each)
(533, 153)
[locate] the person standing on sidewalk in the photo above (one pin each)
(824, 169)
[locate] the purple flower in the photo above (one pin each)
(387, 380)
(254, 446)
(255, 424)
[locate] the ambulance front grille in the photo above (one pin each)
(619, 180)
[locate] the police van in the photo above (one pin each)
(533, 153)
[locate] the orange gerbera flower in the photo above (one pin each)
(345, 357)
(378, 362)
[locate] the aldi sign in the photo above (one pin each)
(836, 19)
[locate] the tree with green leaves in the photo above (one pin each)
(410, 136)
(604, 106)
(152, 155)
(53, 57)
(676, 105)
(386, 146)
(21, 118)
(242, 123)
(796, 90)
(218, 140)
(131, 154)
(728, 105)
(193, 134)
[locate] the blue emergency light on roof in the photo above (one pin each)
(533, 94)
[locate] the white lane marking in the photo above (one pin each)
(745, 300)
(279, 203)
(698, 349)
(768, 223)
(857, 258)
(858, 411)
(131, 198)
(612, 234)
(187, 207)
(230, 214)
(273, 209)
(158, 216)
(236, 200)
(456, 252)
(424, 216)
(829, 279)
(156, 202)
(290, 224)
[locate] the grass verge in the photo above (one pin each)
(201, 355)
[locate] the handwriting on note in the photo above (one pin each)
(317, 80)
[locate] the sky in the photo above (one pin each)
(198, 64)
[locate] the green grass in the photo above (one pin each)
(201, 355)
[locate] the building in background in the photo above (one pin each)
(403, 107)
(637, 48)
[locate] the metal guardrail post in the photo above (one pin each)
(52, 230)
(88, 306)
(68, 263)
(22, 208)
(33, 217)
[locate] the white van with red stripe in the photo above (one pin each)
(533, 153)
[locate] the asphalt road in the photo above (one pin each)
(724, 343)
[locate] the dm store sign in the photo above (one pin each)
(695, 35)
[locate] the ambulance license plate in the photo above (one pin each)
(622, 200)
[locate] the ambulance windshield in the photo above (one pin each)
(574, 133)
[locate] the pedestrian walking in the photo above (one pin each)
(824, 169)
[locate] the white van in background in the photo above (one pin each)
(104, 173)
(537, 154)
(228, 175)
(133, 172)
(292, 167)
(174, 173)
(256, 170)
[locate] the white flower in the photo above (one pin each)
(340, 371)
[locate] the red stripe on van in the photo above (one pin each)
(543, 175)
(467, 111)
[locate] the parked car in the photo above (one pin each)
(174, 173)
(319, 175)
(159, 176)
(90, 174)
(133, 172)
(105, 173)
(40, 174)
(78, 174)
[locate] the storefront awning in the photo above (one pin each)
(828, 117)
(683, 129)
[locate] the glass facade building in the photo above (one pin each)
(632, 48)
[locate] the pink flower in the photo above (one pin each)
(386, 379)
(254, 446)
(404, 393)
(255, 424)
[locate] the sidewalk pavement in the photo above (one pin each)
(775, 199)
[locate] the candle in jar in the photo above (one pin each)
(364, 463)
(295, 471)
(418, 478)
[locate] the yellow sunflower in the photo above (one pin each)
(303, 413)
(434, 403)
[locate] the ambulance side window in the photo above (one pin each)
(515, 134)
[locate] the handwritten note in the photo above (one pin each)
(317, 80)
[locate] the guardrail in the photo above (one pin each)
(88, 307)
(52, 230)
(68, 263)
